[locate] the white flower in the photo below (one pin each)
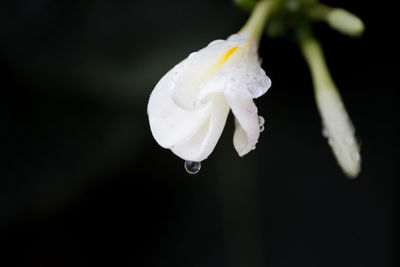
(189, 106)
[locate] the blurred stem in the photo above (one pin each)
(319, 12)
(314, 56)
(254, 27)
(247, 5)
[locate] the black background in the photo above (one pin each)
(82, 182)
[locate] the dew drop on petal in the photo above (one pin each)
(192, 55)
(252, 109)
(215, 42)
(255, 91)
(253, 148)
(192, 167)
(261, 120)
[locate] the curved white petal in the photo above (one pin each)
(168, 122)
(239, 77)
(247, 124)
(197, 69)
(199, 146)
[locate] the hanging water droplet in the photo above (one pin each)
(355, 156)
(325, 132)
(253, 148)
(192, 167)
(262, 128)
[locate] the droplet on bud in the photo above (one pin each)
(192, 167)
(261, 122)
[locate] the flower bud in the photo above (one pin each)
(345, 22)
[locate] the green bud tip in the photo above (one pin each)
(345, 22)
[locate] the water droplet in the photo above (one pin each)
(355, 156)
(261, 120)
(349, 140)
(252, 109)
(172, 85)
(192, 167)
(325, 132)
(253, 148)
(215, 42)
(255, 91)
(192, 55)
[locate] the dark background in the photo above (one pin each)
(82, 182)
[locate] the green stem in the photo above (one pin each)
(254, 26)
(319, 12)
(314, 56)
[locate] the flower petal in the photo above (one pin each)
(241, 77)
(199, 146)
(247, 124)
(170, 123)
(197, 69)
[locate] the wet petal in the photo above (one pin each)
(247, 125)
(170, 123)
(199, 146)
(197, 69)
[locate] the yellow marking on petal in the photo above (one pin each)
(223, 59)
(229, 53)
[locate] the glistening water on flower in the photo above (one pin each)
(189, 106)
